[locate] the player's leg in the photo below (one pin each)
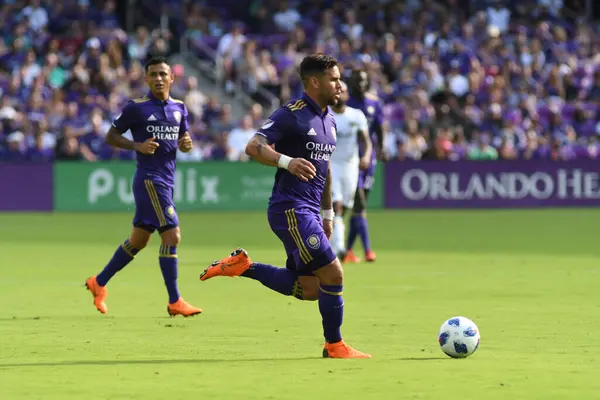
(359, 201)
(337, 190)
(358, 223)
(164, 216)
(124, 254)
(349, 185)
(282, 280)
(167, 258)
(315, 256)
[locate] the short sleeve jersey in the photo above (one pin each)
(373, 110)
(300, 129)
(165, 121)
(349, 123)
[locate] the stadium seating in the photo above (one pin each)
(61, 79)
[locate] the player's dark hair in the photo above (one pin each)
(155, 60)
(316, 64)
(355, 74)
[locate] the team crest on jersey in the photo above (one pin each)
(371, 110)
(170, 210)
(177, 116)
(268, 123)
(333, 132)
(313, 242)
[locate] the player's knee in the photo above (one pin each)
(332, 274)
(309, 288)
(172, 237)
(139, 238)
(310, 293)
(138, 243)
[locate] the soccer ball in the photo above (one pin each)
(459, 337)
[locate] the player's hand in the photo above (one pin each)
(328, 227)
(149, 146)
(185, 143)
(364, 164)
(302, 169)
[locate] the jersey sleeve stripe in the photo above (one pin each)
(155, 202)
(261, 134)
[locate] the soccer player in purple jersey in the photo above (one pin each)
(372, 107)
(159, 126)
(304, 135)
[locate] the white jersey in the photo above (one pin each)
(349, 123)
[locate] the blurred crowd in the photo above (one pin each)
(460, 79)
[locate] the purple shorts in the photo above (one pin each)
(367, 177)
(154, 207)
(306, 245)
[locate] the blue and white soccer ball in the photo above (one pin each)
(459, 337)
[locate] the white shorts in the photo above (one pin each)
(344, 183)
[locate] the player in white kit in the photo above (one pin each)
(352, 128)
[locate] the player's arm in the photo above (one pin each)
(185, 142)
(278, 126)
(116, 139)
(365, 141)
(380, 134)
(326, 199)
(327, 204)
(260, 150)
(122, 124)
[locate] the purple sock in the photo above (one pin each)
(281, 280)
(167, 258)
(363, 232)
(331, 306)
(123, 256)
(353, 231)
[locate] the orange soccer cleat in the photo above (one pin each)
(182, 307)
(234, 265)
(350, 257)
(342, 350)
(370, 256)
(99, 293)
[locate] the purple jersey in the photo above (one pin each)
(148, 117)
(300, 130)
(373, 110)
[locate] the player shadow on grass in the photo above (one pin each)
(193, 361)
(144, 362)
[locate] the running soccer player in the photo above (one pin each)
(304, 135)
(373, 109)
(352, 128)
(159, 126)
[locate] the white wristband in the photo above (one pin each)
(328, 214)
(284, 161)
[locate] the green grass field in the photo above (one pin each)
(529, 279)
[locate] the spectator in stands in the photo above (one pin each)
(230, 52)
(239, 137)
(224, 123)
(16, 149)
(483, 149)
(286, 17)
(527, 73)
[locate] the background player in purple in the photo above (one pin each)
(159, 126)
(372, 107)
(304, 135)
